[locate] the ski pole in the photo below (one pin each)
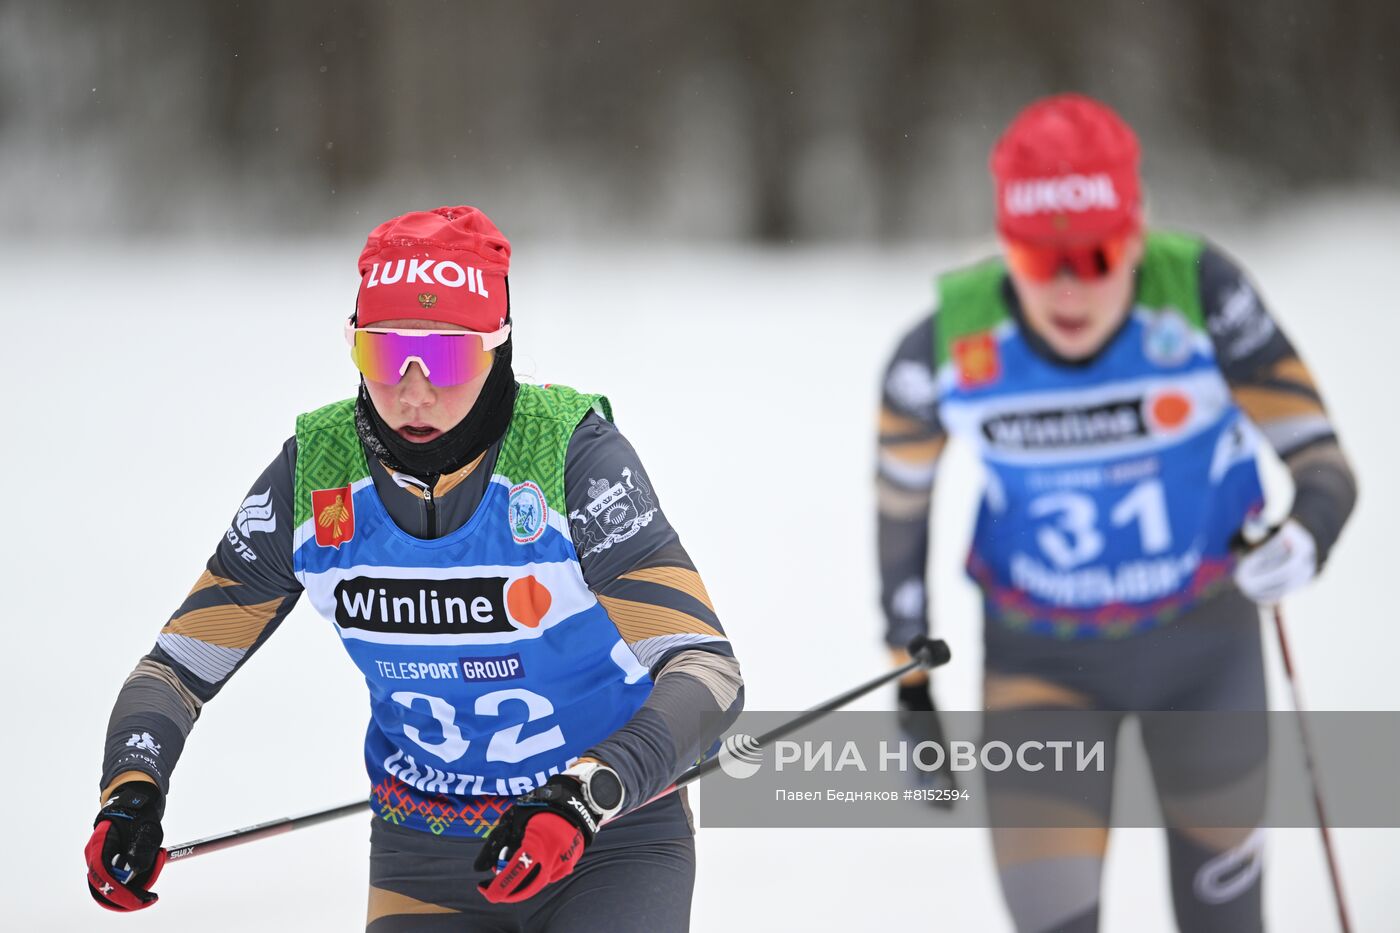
(925, 652)
(258, 831)
(1333, 869)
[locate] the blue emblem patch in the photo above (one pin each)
(527, 513)
(1167, 339)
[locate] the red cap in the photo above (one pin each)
(1066, 169)
(448, 264)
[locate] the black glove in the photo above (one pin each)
(538, 841)
(918, 720)
(124, 856)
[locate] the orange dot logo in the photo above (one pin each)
(1170, 410)
(527, 601)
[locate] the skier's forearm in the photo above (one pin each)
(903, 545)
(697, 695)
(198, 650)
(1274, 387)
(1325, 493)
(911, 441)
(644, 579)
(909, 450)
(235, 604)
(150, 721)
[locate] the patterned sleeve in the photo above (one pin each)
(911, 439)
(245, 591)
(1275, 389)
(633, 561)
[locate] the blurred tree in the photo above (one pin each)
(789, 119)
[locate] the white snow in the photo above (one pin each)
(150, 383)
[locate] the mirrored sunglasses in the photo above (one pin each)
(1044, 263)
(448, 358)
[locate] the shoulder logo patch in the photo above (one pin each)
(334, 513)
(527, 512)
(256, 514)
(978, 360)
(912, 385)
(616, 511)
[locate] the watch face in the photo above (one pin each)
(605, 788)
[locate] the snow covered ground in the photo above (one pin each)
(153, 380)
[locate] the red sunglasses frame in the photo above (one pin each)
(1090, 262)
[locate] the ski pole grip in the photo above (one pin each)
(929, 652)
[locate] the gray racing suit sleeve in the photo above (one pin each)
(633, 561)
(911, 439)
(1275, 389)
(246, 590)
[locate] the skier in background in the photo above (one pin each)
(531, 674)
(1116, 383)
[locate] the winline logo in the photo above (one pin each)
(1111, 422)
(474, 605)
(1068, 427)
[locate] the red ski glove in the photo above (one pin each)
(124, 857)
(548, 851)
(538, 841)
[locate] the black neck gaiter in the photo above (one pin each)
(482, 427)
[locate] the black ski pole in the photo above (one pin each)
(286, 824)
(925, 652)
(1332, 867)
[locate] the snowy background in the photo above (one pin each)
(169, 373)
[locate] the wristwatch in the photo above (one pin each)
(602, 788)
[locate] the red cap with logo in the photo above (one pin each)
(448, 264)
(1066, 171)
